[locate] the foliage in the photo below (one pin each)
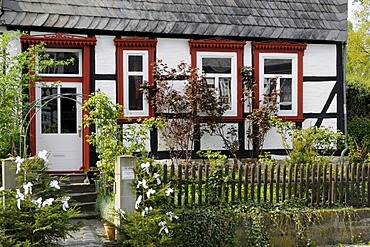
(105, 207)
(152, 221)
(312, 145)
(359, 140)
(110, 139)
(184, 110)
(358, 95)
(13, 82)
(207, 226)
(37, 213)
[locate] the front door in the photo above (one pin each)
(58, 128)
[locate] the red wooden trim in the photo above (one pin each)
(61, 79)
(281, 47)
(134, 43)
(59, 39)
(222, 45)
(85, 91)
(32, 130)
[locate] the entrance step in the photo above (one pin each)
(82, 192)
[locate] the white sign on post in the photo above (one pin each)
(128, 173)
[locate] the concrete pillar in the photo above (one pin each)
(8, 174)
(125, 195)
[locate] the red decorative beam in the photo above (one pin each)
(135, 42)
(279, 44)
(58, 39)
(216, 43)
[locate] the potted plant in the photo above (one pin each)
(105, 208)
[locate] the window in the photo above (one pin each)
(279, 66)
(220, 70)
(72, 69)
(135, 54)
(135, 67)
(221, 60)
(279, 72)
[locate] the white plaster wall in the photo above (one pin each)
(247, 61)
(248, 143)
(330, 123)
(173, 51)
(215, 142)
(315, 95)
(273, 140)
(109, 87)
(162, 145)
(320, 60)
(105, 55)
(147, 141)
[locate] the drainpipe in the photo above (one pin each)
(344, 104)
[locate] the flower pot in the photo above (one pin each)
(110, 231)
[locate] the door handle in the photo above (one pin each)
(79, 131)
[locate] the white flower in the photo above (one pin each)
(150, 192)
(2, 188)
(138, 201)
(27, 188)
(145, 167)
(146, 211)
(20, 197)
(169, 191)
(37, 202)
(156, 176)
(43, 155)
(143, 183)
(19, 161)
(55, 184)
(172, 215)
(64, 201)
(163, 226)
(48, 202)
(122, 213)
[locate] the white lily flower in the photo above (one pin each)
(163, 226)
(156, 176)
(2, 188)
(64, 201)
(146, 211)
(43, 155)
(122, 213)
(37, 202)
(150, 192)
(172, 215)
(48, 202)
(169, 191)
(20, 197)
(18, 161)
(145, 167)
(27, 188)
(55, 184)
(138, 201)
(143, 183)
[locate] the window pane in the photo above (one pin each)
(278, 66)
(269, 85)
(216, 65)
(135, 63)
(72, 68)
(135, 95)
(210, 82)
(225, 90)
(68, 111)
(49, 111)
(285, 94)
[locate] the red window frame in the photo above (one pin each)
(280, 46)
(134, 44)
(222, 45)
(60, 40)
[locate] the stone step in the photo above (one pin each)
(84, 196)
(71, 178)
(78, 187)
(85, 207)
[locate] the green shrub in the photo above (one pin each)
(358, 100)
(37, 213)
(359, 140)
(208, 226)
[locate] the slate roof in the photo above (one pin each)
(284, 19)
